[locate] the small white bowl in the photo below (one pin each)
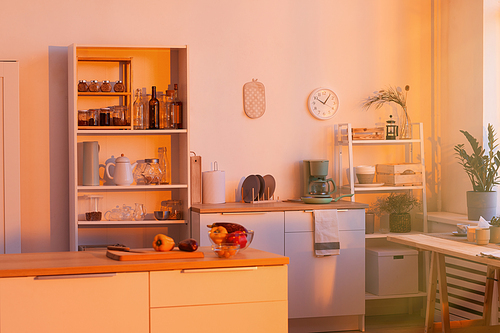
(364, 169)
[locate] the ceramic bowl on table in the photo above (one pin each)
(247, 235)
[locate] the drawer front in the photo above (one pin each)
(218, 286)
(241, 318)
(269, 228)
(303, 221)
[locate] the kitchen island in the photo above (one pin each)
(88, 292)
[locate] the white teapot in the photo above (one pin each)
(123, 171)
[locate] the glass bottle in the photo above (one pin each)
(138, 111)
(164, 165)
(171, 112)
(154, 110)
(178, 112)
(145, 103)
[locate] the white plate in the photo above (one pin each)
(369, 185)
(455, 233)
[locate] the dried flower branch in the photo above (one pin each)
(394, 95)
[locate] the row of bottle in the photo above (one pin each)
(157, 111)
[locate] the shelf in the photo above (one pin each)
(82, 188)
(369, 296)
(100, 59)
(105, 94)
(128, 131)
(129, 223)
(384, 188)
(384, 235)
(380, 142)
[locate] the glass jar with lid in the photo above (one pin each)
(174, 207)
(93, 117)
(94, 86)
(83, 117)
(105, 117)
(151, 172)
(105, 86)
(119, 87)
(119, 115)
(83, 86)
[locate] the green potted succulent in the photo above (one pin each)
(398, 206)
(495, 229)
(482, 169)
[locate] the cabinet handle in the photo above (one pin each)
(338, 210)
(243, 213)
(73, 276)
(217, 270)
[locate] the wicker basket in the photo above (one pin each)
(400, 222)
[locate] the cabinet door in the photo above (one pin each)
(269, 228)
(75, 303)
(325, 286)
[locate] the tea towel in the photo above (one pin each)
(326, 233)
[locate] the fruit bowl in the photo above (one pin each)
(225, 250)
(239, 237)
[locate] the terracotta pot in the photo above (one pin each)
(400, 222)
(481, 204)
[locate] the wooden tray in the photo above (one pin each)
(151, 254)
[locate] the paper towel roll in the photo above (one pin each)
(214, 187)
(91, 163)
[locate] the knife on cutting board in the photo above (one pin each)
(124, 249)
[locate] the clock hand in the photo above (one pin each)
(321, 100)
(326, 99)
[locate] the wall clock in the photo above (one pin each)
(323, 103)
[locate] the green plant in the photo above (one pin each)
(394, 95)
(396, 203)
(481, 168)
(495, 221)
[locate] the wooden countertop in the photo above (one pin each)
(91, 262)
(241, 207)
(449, 245)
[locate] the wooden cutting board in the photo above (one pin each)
(151, 254)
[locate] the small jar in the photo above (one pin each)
(105, 117)
(105, 86)
(83, 86)
(119, 115)
(119, 87)
(94, 212)
(174, 207)
(94, 86)
(93, 117)
(83, 117)
(151, 172)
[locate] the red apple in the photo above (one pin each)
(238, 237)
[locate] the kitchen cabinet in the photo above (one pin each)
(326, 286)
(116, 302)
(137, 67)
(253, 299)
(268, 227)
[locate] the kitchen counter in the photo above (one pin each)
(239, 207)
(91, 262)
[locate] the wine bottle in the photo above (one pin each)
(154, 111)
(178, 107)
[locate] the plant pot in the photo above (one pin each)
(481, 204)
(494, 234)
(400, 222)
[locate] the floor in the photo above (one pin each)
(393, 324)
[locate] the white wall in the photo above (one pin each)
(354, 47)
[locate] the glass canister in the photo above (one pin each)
(94, 212)
(174, 207)
(93, 117)
(119, 87)
(94, 86)
(83, 86)
(83, 117)
(119, 115)
(151, 172)
(105, 86)
(105, 117)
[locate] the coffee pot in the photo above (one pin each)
(122, 176)
(322, 187)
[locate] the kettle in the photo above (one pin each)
(322, 187)
(123, 171)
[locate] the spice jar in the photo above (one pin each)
(174, 207)
(94, 213)
(119, 87)
(93, 117)
(119, 115)
(151, 172)
(83, 117)
(105, 86)
(83, 86)
(94, 86)
(105, 117)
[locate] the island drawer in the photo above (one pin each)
(218, 285)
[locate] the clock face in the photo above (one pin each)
(323, 103)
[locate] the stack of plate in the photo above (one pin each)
(257, 188)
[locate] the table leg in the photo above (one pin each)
(488, 295)
(443, 293)
(431, 295)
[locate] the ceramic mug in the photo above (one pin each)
(471, 234)
(482, 236)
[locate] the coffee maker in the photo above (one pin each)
(315, 183)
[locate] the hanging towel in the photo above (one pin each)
(326, 233)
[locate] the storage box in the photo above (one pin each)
(391, 269)
(399, 174)
(376, 133)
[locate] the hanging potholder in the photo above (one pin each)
(254, 99)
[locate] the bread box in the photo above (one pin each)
(399, 174)
(391, 269)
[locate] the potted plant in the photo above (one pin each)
(495, 229)
(482, 169)
(398, 206)
(394, 95)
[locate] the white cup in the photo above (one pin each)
(482, 236)
(471, 234)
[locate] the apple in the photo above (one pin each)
(238, 237)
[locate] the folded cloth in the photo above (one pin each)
(326, 233)
(490, 254)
